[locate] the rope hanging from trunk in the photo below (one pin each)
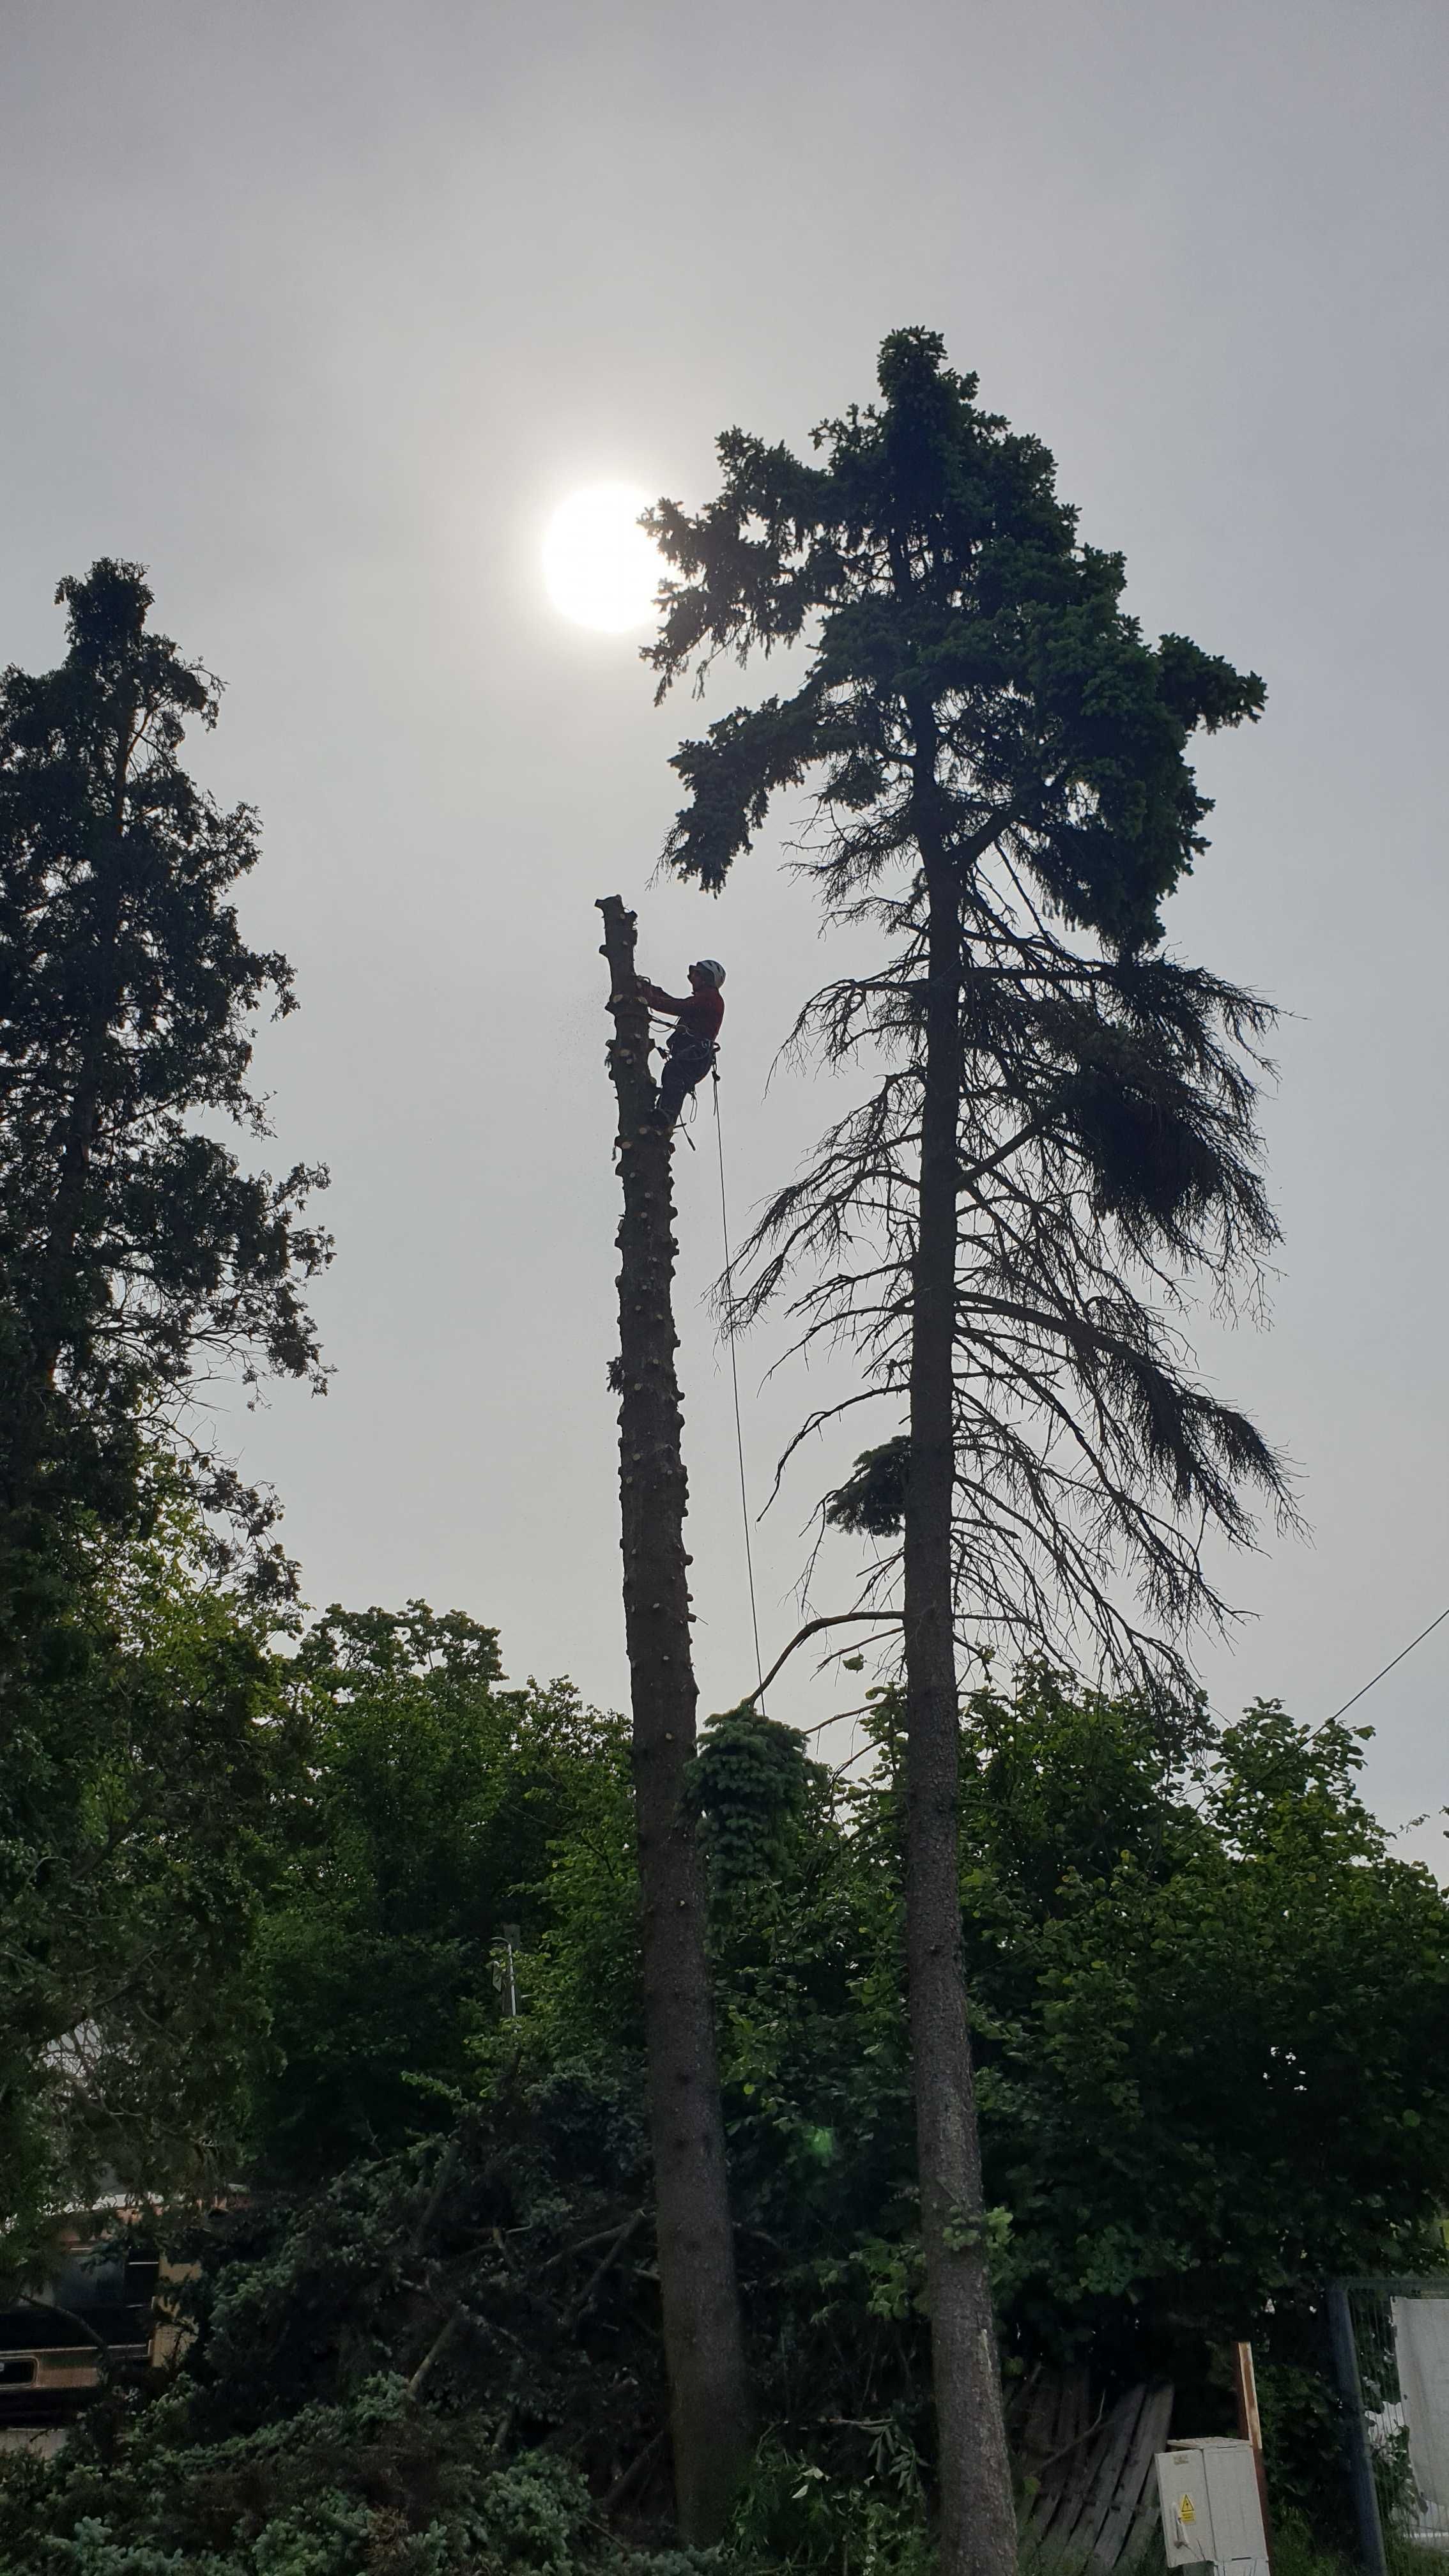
(724, 1220)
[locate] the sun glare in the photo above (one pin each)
(600, 568)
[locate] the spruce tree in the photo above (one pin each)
(1060, 1132)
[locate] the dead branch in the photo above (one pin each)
(812, 1628)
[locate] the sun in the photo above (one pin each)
(599, 567)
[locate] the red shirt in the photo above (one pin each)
(700, 1013)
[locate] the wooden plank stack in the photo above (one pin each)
(1090, 2499)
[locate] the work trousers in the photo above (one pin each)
(687, 1062)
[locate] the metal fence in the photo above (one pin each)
(1391, 2355)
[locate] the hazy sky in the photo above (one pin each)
(320, 309)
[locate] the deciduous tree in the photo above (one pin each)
(425, 1800)
(144, 1763)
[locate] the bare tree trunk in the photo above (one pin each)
(703, 2339)
(978, 2524)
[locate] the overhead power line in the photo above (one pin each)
(1388, 1668)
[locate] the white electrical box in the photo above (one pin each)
(1208, 2492)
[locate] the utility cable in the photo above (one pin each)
(724, 1220)
(1388, 1668)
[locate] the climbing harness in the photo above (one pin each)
(724, 1220)
(705, 1052)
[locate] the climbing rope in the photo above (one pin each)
(724, 1219)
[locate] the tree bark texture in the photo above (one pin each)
(978, 2523)
(703, 2339)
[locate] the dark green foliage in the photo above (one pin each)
(137, 1258)
(499, 2227)
(1171, 1935)
(143, 1762)
(372, 2372)
(1212, 2020)
(929, 561)
(796, 2514)
(136, 1255)
(872, 1501)
(1171, 1938)
(251, 1897)
(751, 1784)
(1177, 1955)
(427, 1801)
(994, 749)
(371, 2486)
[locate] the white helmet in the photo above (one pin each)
(710, 966)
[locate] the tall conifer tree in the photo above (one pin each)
(138, 1260)
(137, 1256)
(1062, 1123)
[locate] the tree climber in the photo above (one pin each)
(689, 1055)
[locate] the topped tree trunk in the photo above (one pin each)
(703, 2340)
